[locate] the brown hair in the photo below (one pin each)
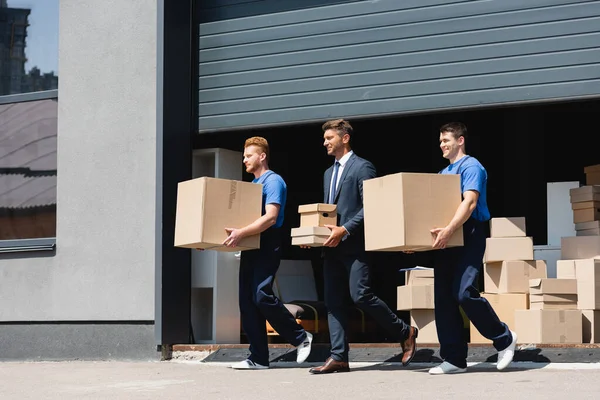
(340, 125)
(457, 129)
(260, 142)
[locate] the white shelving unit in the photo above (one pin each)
(215, 313)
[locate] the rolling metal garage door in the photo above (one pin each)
(386, 57)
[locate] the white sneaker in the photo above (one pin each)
(505, 356)
(303, 349)
(446, 368)
(248, 364)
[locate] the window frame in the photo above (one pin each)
(36, 244)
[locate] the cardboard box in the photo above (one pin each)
(504, 304)
(425, 321)
(565, 269)
(512, 276)
(578, 247)
(206, 206)
(587, 225)
(591, 326)
(401, 209)
(508, 249)
(586, 211)
(587, 273)
(585, 193)
(508, 227)
(588, 232)
(318, 214)
(553, 301)
(419, 277)
(552, 286)
(313, 236)
(415, 297)
(592, 174)
(549, 326)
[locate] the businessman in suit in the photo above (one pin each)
(346, 264)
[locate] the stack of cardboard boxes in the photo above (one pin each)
(313, 218)
(508, 268)
(580, 254)
(416, 296)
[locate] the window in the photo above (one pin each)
(28, 134)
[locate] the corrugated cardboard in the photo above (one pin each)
(508, 227)
(313, 236)
(425, 321)
(587, 225)
(549, 326)
(565, 269)
(591, 326)
(504, 305)
(401, 209)
(578, 247)
(415, 297)
(588, 232)
(508, 249)
(587, 272)
(419, 277)
(585, 193)
(552, 286)
(591, 168)
(553, 301)
(586, 211)
(206, 206)
(317, 214)
(592, 174)
(512, 276)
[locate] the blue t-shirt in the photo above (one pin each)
(274, 192)
(472, 177)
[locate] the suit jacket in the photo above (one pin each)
(349, 200)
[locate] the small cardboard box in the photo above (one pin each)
(317, 214)
(592, 174)
(585, 193)
(206, 206)
(552, 286)
(415, 297)
(419, 277)
(512, 276)
(591, 228)
(313, 236)
(549, 326)
(508, 249)
(401, 209)
(586, 211)
(578, 247)
(507, 227)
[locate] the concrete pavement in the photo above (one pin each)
(183, 378)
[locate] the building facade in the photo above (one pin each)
(136, 102)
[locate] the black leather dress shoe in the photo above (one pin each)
(330, 366)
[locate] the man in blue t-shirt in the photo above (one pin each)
(457, 269)
(257, 301)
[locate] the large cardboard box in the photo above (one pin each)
(512, 276)
(206, 206)
(591, 228)
(585, 193)
(411, 297)
(401, 209)
(317, 214)
(549, 326)
(508, 227)
(313, 236)
(508, 249)
(505, 305)
(578, 247)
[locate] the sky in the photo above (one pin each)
(42, 34)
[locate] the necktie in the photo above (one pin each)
(332, 192)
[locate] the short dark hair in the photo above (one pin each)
(340, 125)
(457, 129)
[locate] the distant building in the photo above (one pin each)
(13, 34)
